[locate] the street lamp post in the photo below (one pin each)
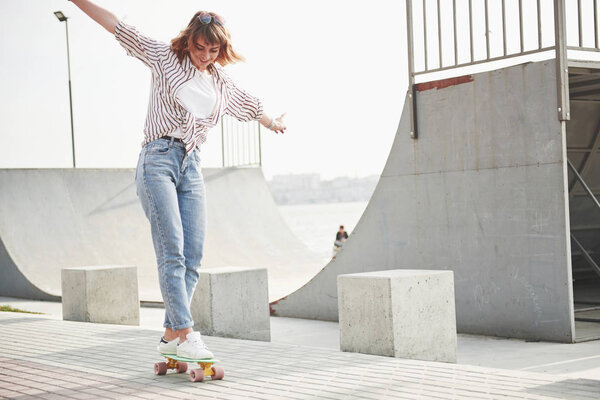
(63, 18)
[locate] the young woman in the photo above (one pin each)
(190, 92)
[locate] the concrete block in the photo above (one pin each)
(232, 302)
(102, 294)
(398, 313)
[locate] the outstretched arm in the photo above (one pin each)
(245, 107)
(275, 124)
(102, 16)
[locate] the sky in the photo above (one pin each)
(337, 68)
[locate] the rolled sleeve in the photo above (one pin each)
(241, 105)
(139, 46)
(244, 107)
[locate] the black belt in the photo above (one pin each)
(172, 138)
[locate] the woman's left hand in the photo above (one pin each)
(279, 125)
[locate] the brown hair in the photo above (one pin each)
(213, 32)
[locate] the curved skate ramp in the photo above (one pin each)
(480, 192)
(56, 218)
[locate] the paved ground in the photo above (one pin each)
(46, 357)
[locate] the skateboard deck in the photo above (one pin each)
(180, 364)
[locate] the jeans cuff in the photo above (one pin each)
(183, 326)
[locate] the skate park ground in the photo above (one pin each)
(43, 356)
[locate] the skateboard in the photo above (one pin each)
(180, 364)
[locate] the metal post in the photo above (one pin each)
(230, 143)
(222, 143)
(439, 17)
(238, 144)
(562, 73)
(582, 182)
(504, 27)
(70, 94)
(455, 34)
(522, 40)
(539, 21)
(596, 23)
(411, 69)
(424, 31)
(487, 31)
(244, 145)
(579, 23)
(259, 146)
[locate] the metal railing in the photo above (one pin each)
(586, 255)
(580, 24)
(240, 143)
(582, 182)
(466, 33)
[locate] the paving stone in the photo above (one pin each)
(13, 387)
(116, 362)
(82, 396)
(233, 397)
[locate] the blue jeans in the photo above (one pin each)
(171, 189)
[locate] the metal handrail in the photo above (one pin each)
(584, 252)
(586, 255)
(487, 60)
(582, 182)
(559, 11)
(240, 143)
(560, 46)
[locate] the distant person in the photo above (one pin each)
(340, 238)
(190, 92)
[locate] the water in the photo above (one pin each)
(317, 224)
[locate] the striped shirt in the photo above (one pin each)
(166, 113)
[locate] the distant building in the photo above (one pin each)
(309, 188)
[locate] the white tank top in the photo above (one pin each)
(198, 96)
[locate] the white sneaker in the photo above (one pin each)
(193, 347)
(165, 347)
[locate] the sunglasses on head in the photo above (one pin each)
(207, 18)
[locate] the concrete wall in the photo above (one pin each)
(482, 193)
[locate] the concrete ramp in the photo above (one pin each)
(246, 229)
(481, 192)
(56, 218)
